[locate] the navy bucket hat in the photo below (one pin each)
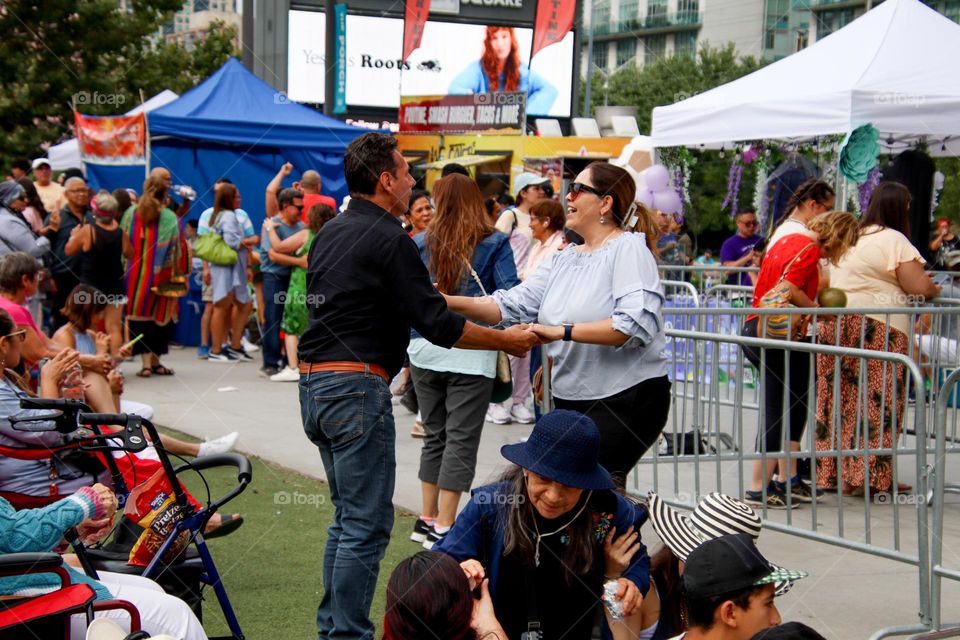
(563, 447)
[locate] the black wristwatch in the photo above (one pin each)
(568, 332)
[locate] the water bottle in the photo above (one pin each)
(184, 191)
(71, 387)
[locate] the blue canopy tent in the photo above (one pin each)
(235, 125)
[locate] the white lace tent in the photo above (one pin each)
(894, 67)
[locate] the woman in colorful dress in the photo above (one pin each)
(153, 276)
(295, 307)
(882, 270)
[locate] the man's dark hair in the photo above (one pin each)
(454, 167)
(506, 199)
(700, 611)
(744, 212)
(223, 181)
(193, 224)
(366, 159)
(72, 172)
(21, 163)
(287, 196)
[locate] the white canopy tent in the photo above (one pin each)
(67, 154)
(892, 67)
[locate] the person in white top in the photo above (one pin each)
(51, 194)
(882, 270)
(515, 222)
(810, 199)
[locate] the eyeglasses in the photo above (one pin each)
(22, 333)
(748, 223)
(298, 207)
(576, 188)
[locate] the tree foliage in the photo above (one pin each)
(58, 52)
(671, 79)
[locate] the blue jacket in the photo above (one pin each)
(478, 535)
(492, 260)
(540, 93)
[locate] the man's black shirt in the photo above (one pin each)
(366, 286)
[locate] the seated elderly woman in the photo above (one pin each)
(91, 510)
(19, 279)
(539, 534)
(57, 475)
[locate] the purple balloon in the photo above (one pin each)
(657, 177)
(666, 201)
(645, 196)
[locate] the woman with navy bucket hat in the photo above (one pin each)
(539, 534)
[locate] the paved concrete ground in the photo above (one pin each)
(848, 594)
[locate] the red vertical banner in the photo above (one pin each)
(414, 20)
(554, 20)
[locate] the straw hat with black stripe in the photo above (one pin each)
(715, 515)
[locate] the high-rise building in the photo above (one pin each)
(639, 31)
(193, 21)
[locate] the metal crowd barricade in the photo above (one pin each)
(944, 445)
(719, 414)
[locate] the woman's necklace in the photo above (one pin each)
(536, 549)
(603, 242)
(799, 221)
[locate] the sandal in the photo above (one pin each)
(228, 524)
(144, 373)
(161, 370)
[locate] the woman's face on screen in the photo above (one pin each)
(500, 43)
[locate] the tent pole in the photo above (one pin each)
(146, 136)
(330, 53)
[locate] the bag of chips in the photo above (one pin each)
(153, 506)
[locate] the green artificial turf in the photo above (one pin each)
(271, 566)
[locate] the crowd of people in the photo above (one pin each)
(442, 297)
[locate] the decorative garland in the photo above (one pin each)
(859, 153)
(734, 176)
(866, 188)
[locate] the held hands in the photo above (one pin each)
(547, 333)
(619, 552)
(518, 340)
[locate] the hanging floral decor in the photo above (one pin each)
(734, 176)
(859, 153)
(866, 188)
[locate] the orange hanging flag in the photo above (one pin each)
(115, 140)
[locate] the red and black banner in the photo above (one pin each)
(501, 113)
(414, 20)
(554, 20)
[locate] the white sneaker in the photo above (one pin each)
(223, 444)
(498, 414)
(288, 374)
(248, 346)
(521, 415)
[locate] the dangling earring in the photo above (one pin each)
(602, 221)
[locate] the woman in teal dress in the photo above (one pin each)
(293, 252)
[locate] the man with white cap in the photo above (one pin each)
(515, 222)
(51, 193)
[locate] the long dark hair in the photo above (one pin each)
(458, 226)
(428, 596)
(889, 208)
(518, 520)
(665, 574)
(33, 197)
(224, 198)
(812, 189)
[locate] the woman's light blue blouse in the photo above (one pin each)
(619, 281)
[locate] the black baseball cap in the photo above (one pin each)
(789, 631)
(729, 564)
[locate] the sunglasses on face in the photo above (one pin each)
(748, 223)
(576, 188)
(22, 334)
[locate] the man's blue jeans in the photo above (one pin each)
(274, 294)
(349, 417)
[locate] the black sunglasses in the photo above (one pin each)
(576, 188)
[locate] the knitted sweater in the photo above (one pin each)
(39, 530)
